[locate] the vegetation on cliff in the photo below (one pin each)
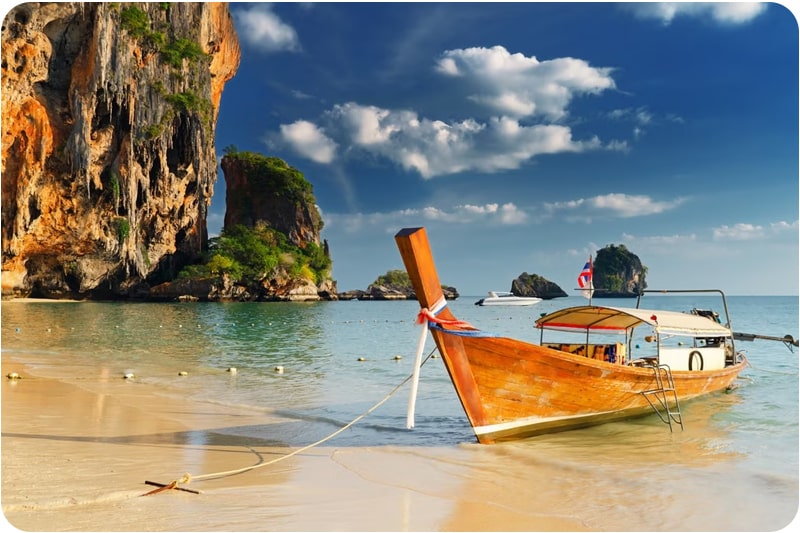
(272, 177)
(109, 111)
(397, 279)
(618, 272)
(248, 256)
(256, 248)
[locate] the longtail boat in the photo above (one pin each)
(512, 389)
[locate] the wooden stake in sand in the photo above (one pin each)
(168, 486)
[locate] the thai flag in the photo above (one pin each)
(585, 279)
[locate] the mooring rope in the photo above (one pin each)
(187, 478)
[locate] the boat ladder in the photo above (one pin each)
(663, 395)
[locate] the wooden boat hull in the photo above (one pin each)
(511, 389)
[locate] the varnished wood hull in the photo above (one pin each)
(512, 389)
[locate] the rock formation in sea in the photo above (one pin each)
(270, 247)
(618, 273)
(394, 285)
(108, 157)
(537, 286)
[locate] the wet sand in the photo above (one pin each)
(75, 457)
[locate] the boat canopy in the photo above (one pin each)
(597, 319)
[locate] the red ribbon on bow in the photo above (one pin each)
(425, 314)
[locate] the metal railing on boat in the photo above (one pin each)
(659, 396)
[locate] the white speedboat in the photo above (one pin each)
(507, 298)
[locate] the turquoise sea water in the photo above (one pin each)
(734, 467)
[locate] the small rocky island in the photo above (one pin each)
(618, 273)
(394, 285)
(535, 285)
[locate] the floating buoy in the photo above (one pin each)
(17, 330)
(398, 357)
(279, 369)
(232, 370)
(129, 375)
(362, 358)
(13, 375)
(182, 373)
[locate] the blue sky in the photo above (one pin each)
(526, 136)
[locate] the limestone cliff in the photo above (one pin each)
(268, 190)
(269, 249)
(108, 160)
(618, 273)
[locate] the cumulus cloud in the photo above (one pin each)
(435, 147)
(262, 29)
(507, 214)
(517, 89)
(660, 241)
(749, 232)
(783, 226)
(518, 86)
(719, 12)
(614, 204)
(309, 141)
(738, 232)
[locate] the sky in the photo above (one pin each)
(526, 136)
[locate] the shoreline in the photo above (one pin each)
(77, 459)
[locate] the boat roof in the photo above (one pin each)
(600, 319)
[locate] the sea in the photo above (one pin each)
(323, 365)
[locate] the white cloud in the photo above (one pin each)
(259, 27)
(309, 141)
(434, 147)
(660, 241)
(738, 232)
(626, 205)
(720, 12)
(506, 214)
(613, 204)
(518, 86)
(783, 226)
(749, 232)
(513, 85)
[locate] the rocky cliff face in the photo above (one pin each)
(268, 190)
(108, 161)
(618, 273)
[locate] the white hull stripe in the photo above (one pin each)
(531, 422)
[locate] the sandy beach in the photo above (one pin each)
(76, 458)
(79, 441)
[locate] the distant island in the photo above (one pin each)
(394, 285)
(618, 273)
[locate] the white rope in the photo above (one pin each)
(412, 398)
(188, 478)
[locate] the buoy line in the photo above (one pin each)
(187, 478)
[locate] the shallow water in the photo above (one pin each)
(734, 467)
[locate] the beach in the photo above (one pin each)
(76, 460)
(80, 441)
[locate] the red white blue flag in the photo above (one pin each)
(585, 279)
